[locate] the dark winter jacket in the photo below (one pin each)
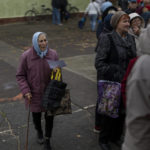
(64, 3)
(104, 26)
(104, 31)
(56, 4)
(33, 75)
(113, 56)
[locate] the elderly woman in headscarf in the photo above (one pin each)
(114, 52)
(33, 75)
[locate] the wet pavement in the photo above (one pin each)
(76, 48)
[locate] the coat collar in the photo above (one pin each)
(120, 41)
(35, 56)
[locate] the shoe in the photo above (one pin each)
(47, 145)
(40, 139)
(105, 146)
(96, 129)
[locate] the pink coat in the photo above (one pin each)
(33, 75)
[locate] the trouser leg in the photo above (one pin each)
(48, 125)
(105, 129)
(58, 16)
(37, 120)
(118, 124)
(54, 16)
(117, 128)
(93, 19)
(111, 129)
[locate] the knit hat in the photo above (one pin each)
(144, 41)
(135, 15)
(116, 17)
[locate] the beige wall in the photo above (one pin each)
(17, 8)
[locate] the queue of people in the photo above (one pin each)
(129, 27)
(137, 134)
(123, 37)
(113, 55)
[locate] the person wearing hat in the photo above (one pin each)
(137, 135)
(33, 76)
(106, 28)
(136, 28)
(114, 52)
(132, 6)
(107, 8)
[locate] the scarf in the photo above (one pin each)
(36, 45)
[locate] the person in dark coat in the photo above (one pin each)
(114, 52)
(63, 11)
(107, 28)
(33, 76)
(123, 4)
(56, 5)
(106, 8)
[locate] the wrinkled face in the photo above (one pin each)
(136, 22)
(42, 41)
(124, 24)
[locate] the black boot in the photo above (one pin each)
(47, 145)
(40, 139)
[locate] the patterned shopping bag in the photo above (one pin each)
(109, 98)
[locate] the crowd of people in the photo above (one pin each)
(100, 8)
(120, 50)
(122, 55)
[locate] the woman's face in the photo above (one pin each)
(123, 25)
(42, 41)
(136, 22)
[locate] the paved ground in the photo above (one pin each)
(76, 47)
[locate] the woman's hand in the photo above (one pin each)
(29, 97)
(136, 30)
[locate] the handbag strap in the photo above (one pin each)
(57, 75)
(96, 8)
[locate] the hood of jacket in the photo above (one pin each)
(135, 15)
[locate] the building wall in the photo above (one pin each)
(17, 8)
